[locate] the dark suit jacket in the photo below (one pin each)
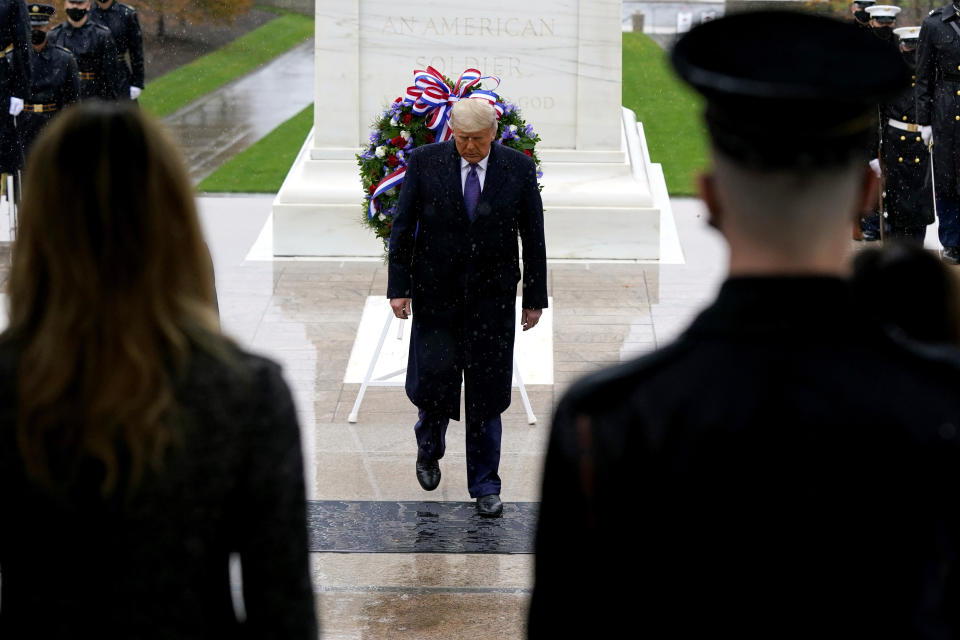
(785, 469)
(76, 565)
(463, 276)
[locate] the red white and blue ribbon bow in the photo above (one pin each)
(430, 95)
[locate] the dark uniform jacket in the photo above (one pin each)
(785, 469)
(14, 77)
(124, 26)
(156, 566)
(908, 196)
(96, 55)
(56, 84)
(938, 93)
(463, 275)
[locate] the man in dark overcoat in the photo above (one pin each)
(94, 49)
(454, 259)
(124, 26)
(938, 111)
(787, 468)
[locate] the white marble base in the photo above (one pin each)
(597, 205)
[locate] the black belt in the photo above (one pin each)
(40, 108)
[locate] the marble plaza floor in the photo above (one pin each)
(391, 560)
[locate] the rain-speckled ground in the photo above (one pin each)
(223, 123)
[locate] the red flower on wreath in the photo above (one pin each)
(528, 153)
(398, 142)
(373, 187)
(392, 161)
(430, 138)
(407, 117)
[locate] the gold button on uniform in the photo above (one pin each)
(903, 137)
(904, 118)
(918, 138)
(916, 160)
(957, 118)
(899, 159)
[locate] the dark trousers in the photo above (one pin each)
(948, 212)
(483, 448)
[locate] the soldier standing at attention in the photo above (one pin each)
(908, 199)
(93, 47)
(938, 113)
(14, 79)
(124, 25)
(859, 10)
(55, 79)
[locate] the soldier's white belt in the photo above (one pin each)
(903, 126)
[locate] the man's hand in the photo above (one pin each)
(875, 165)
(135, 92)
(926, 134)
(530, 318)
(402, 307)
(16, 106)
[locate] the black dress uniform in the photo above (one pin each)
(96, 55)
(124, 25)
(55, 81)
(14, 78)
(908, 197)
(771, 474)
(938, 105)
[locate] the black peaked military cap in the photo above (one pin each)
(781, 91)
(40, 13)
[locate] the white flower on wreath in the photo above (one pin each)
(380, 152)
(406, 135)
(513, 128)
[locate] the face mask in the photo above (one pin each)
(884, 33)
(862, 16)
(38, 37)
(76, 14)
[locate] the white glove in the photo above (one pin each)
(926, 134)
(135, 92)
(875, 165)
(16, 106)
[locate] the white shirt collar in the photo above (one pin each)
(481, 166)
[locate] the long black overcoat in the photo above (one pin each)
(14, 77)
(786, 469)
(463, 275)
(938, 94)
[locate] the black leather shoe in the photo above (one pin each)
(489, 506)
(951, 255)
(869, 235)
(428, 474)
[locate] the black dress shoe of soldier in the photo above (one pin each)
(489, 506)
(951, 255)
(428, 474)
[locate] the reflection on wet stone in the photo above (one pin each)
(419, 527)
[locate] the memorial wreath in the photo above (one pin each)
(423, 117)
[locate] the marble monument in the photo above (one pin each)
(559, 61)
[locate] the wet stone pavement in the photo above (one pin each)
(389, 559)
(223, 123)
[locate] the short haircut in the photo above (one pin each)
(789, 210)
(473, 114)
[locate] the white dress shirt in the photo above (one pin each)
(481, 172)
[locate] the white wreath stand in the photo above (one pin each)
(387, 380)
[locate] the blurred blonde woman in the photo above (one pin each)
(139, 447)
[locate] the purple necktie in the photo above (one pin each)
(471, 192)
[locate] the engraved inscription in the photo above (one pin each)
(470, 27)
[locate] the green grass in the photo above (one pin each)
(670, 114)
(262, 167)
(669, 111)
(182, 86)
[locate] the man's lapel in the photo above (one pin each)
(449, 174)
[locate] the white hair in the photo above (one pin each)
(472, 115)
